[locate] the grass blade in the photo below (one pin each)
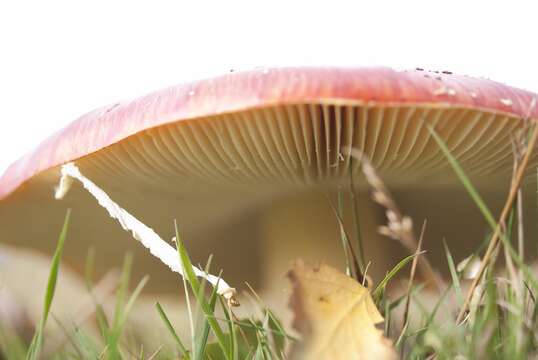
(171, 330)
(201, 341)
(195, 286)
(114, 333)
(35, 346)
(89, 266)
(132, 299)
(122, 291)
(378, 290)
(496, 227)
(349, 253)
(343, 237)
(453, 274)
(233, 344)
(465, 180)
(356, 219)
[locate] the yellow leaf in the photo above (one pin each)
(335, 315)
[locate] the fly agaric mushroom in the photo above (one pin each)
(215, 151)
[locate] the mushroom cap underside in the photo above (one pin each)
(289, 125)
(212, 152)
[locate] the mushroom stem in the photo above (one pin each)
(304, 227)
(144, 234)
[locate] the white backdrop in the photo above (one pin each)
(60, 59)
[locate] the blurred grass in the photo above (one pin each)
(501, 323)
(37, 341)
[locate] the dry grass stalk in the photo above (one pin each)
(516, 277)
(519, 151)
(140, 231)
(399, 226)
(418, 252)
(412, 275)
(514, 189)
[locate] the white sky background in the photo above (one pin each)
(60, 59)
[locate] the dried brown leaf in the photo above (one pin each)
(335, 316)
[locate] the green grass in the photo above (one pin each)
(501, 325)
(35, 346)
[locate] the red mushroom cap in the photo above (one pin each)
(236, 92)
(203, 152)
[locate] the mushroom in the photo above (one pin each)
(230, 156)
